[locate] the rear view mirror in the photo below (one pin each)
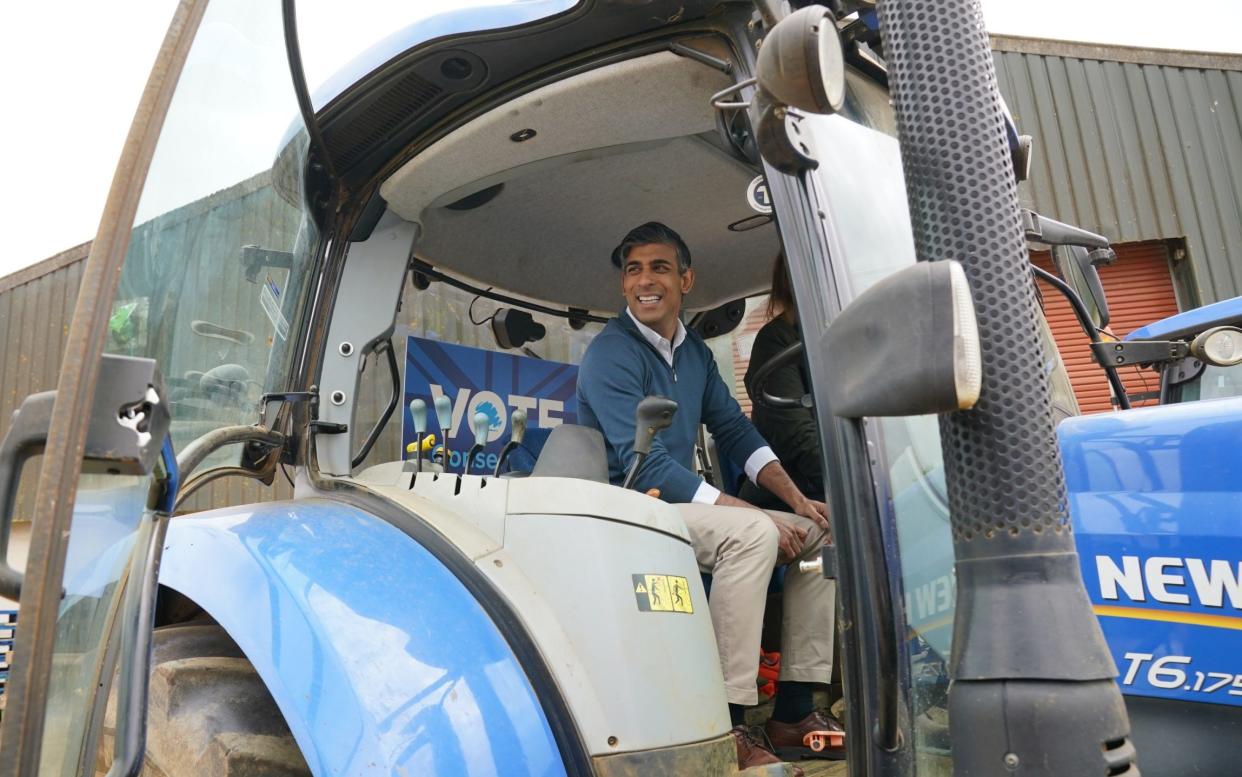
(909, 345)
(1077, 266)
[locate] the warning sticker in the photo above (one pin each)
(662, 593)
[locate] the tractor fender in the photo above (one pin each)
(380, 660)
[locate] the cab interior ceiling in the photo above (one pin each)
(613, 147)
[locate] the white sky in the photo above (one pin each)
(72, 71)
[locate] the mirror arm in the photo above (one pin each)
(1041, 229)
(1084, 320)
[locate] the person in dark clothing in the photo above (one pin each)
(647, 350)
(792, 432)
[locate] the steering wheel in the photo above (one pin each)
(784, 357)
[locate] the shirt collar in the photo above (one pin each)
(662, 346)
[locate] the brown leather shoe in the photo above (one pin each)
(751, 753)
(789, 739)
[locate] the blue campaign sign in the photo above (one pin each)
(494, 383)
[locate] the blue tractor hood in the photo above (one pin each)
(1185, 325)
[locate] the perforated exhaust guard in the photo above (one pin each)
(1029, 657)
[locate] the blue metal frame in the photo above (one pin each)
(380, 660)
(1227, 311)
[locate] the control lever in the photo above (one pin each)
(482, 424)
(444, 414)
(418, 412)
(517, 422)
(653, 414)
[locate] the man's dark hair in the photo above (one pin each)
(646, 234)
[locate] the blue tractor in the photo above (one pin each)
(468, 612)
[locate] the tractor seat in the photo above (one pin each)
(570, 451)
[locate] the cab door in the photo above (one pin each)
(844, 224)
(173, 336)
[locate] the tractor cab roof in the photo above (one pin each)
(533, 195)
(526, 153)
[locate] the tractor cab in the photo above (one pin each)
(424, 252)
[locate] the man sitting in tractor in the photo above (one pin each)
(646, 350)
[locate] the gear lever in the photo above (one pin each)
(653, 414)
(518, 423)
(418, 413)
(482, 424)
(444, 415)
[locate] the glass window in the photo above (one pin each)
(107, 516)
(221, 248)
(211, 288)
(445, 313)
(861, 178)
(1213, 383)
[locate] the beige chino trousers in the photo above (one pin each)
(737, 546)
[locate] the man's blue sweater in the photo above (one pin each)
(620, 368)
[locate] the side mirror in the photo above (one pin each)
(1076, 253)
(1077, 266)
(909, 345)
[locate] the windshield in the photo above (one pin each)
(1213, 383)
(219, 256)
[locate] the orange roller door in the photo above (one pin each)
(1139, 290)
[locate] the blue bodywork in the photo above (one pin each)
(381, 661)
(1190, 322)
(1156, 499)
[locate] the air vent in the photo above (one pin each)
(1119, 757)
(410, 95)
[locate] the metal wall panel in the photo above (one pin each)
(36, 304)
(1136, 145)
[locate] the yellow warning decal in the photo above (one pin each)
(662, 593)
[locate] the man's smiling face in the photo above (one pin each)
(653, 287)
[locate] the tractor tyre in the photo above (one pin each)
(209, 713)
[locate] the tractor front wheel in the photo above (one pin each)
(209, 713)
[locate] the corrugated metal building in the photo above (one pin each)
(1137, 145)
(1145, 148)
(1142, 146)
